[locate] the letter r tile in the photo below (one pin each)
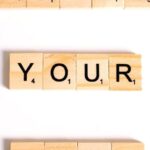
(25, 71)
(59, 71)
(92, 71)
(125, 72)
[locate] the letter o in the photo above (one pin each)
(53, 75)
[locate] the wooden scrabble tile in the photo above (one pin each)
(94, 146)
(59, 71)
(27, 146)
(43, 3)
(127, 146)
(108, 3)
(26, 70)
(92, 71)
(12, 3)
(137, 3)
(125, 72)
(61, 146)
(75, 3)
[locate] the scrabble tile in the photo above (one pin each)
(127, 146)
(27, 146)
(43, 3)
(12, 3)
(61, 146)
(75, 3)
(26, 70)
(92, 71)
(125, 72)
(59, 71)
(137, 3)
(108, 3)
(94, 146)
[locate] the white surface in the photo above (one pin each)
(74, 114)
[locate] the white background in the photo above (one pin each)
(92, 114)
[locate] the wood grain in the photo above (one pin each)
(73, 3)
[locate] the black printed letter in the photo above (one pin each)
(65, 75)
(125, 73)
(25, 72)
(86, 73)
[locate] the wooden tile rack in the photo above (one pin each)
(77, 145)
(75, 71)
(73, 3)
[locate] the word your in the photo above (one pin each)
(75, 71)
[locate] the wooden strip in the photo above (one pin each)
(78, 145)
(71, 71)
(73, 3)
